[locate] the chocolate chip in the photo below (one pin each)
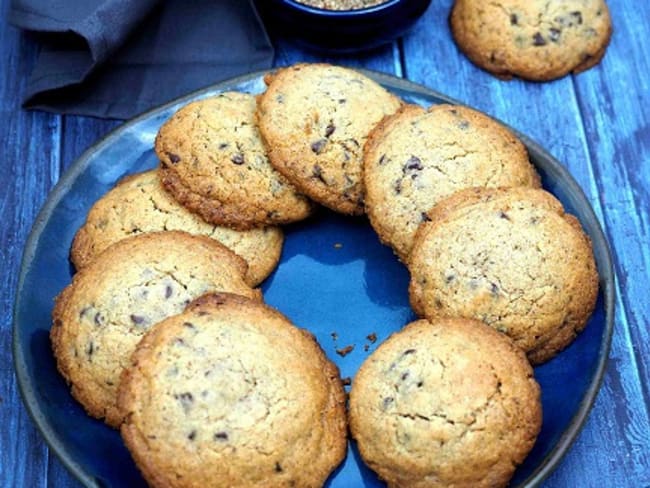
(449, 278)
(317, 172)
(405, 375)
(168, 291)
(278, 468)
(464, 125)
(223, 145)
(99, 319)
(179, 341)
(534, 220)
(538, 39)
(494, 289)
(382, 159)
(408, 351)
(514, 20)
(503, 215)
(388, 401)
(329, 130)
(221, 436)
(398, 186)
(342, 100)
(238, 159)
(318, 146)
(186, 399)
(83, 311)
(192, 435)
(412, 164)
(279, 98)
(554, 34)
(189, 325)
(576, 16)
(420, 384)
(174, 158)
(90, 348)
(424, 217)
(137, 319)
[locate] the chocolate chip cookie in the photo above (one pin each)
(511, 258)
(214, 163)
(532, 39)
(315, 119)
(445, 403)
(417, 157)
(138, 204)
(230, 393)
(112, 302)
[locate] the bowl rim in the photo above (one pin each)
(324, 12)
(607, 282)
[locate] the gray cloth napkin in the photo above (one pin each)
(118, 58)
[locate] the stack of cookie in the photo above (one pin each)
(162, 333)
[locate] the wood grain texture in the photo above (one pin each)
(30, 143)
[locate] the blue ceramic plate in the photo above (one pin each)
(334, 279)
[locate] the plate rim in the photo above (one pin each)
(607, 283)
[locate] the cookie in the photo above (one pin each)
(417, 157)
(315, 119)
(230, 393)
(511, 258)
(111, 303)
(213, 162)
(532, 39)
(445, 403)
(138, 204)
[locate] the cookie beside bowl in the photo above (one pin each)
(341, 30)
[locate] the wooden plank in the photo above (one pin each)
(617, 99)
(30, 143)
(550, 114)
(80, 133)
(385, 59)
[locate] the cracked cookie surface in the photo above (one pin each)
(230, 393)
(417, 157)
(444, 403)
(138, 204)
(508, 257)
(315, 119)
(533, 39)
(135, 283)
(214, 163)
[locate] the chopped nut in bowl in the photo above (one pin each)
(341, 25)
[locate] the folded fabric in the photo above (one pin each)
(118, 58)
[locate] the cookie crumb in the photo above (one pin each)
(338, 245)
(347, 381)
(345, 350)
(372, 338)
(335, 336)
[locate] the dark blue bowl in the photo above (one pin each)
(334, 276)
(341, 30)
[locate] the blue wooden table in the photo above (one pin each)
(597, 123)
